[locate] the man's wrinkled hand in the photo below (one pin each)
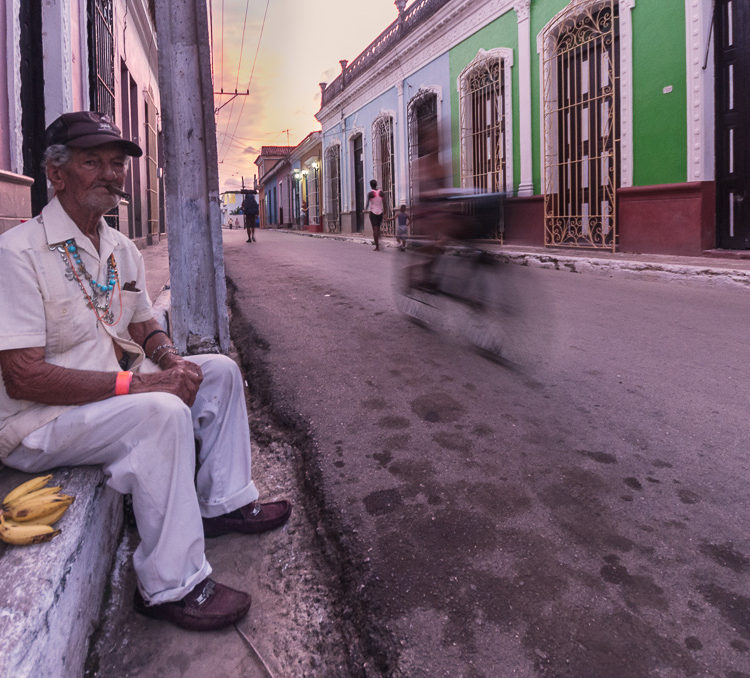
(181, 378)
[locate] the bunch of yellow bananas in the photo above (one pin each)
(29, 511)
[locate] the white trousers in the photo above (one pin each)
(146, 443)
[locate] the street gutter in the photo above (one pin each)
(706, 270)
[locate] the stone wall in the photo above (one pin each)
(15, 199)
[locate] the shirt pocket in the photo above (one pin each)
(131, 302)
(69, 323)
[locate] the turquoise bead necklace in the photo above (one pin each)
(97, 289)
(100, 299)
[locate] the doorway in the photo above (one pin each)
(732, 23)
(359, 184)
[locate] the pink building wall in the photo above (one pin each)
(4, 132)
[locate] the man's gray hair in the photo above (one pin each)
(57, 155)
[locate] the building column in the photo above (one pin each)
(626, 92)
(344, 166)
(522, 8)
(402, 123)
(13, 57)
(58, 59)
(700, 90)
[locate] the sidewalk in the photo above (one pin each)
(52, 593)
(714, 267)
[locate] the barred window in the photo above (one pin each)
(333, 188)
(484, 110)
(152, 167)
(423, 134)
(101, 56)
(313, 200)
(384, 170)
(582, 126)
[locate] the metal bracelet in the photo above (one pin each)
(159, 348)
(166, 353)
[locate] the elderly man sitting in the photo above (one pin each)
(89, 377)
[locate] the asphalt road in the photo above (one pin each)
(581, 514)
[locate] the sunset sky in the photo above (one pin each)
(301, 44)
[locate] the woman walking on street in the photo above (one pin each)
(376, 207)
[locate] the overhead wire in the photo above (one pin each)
(211, 31)
(252, 71)
(222, 43)
(237, 77)
(242, 47)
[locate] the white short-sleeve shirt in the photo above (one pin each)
(41, 306)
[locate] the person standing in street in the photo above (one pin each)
(402, 228)
(376, 207)
(250, 210)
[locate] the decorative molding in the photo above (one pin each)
(503, 55)
(423, 45)
(57, 59)
(13, 65)
(700, 92)
(526, 184)
(355, 131)
(83, 57)
(626, 92)
(419, 96)
(523, 9)
(401, 148)
(626, 82)
(423, 90)
(381, 119)
(15, 178)
(384, 113)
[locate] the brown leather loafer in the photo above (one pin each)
(209, 606)
(251, 519)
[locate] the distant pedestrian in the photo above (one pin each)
(402, 227)
(376, 207)
(250, 210)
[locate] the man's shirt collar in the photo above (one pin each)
(59, 227)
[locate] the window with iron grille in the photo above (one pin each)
(582, 135)
(101, 56)
(423, 135)
(313, 202)
(152, 167)
(333, 188)
(484, 110)
(382, 156)
(102, 69)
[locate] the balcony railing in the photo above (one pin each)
(413, 17)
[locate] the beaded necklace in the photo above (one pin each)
(101, 296)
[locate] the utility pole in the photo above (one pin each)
(199, 316)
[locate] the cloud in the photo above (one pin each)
(251, 150)
(329, 75)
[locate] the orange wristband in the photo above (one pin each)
(122, 384)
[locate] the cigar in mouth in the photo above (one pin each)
(118, 191)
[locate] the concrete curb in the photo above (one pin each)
(52, 592)
(632, 269)
(644, 267)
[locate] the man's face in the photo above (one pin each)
(85, 178)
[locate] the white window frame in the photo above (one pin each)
(504, 55)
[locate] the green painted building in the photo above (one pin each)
(609, 124)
